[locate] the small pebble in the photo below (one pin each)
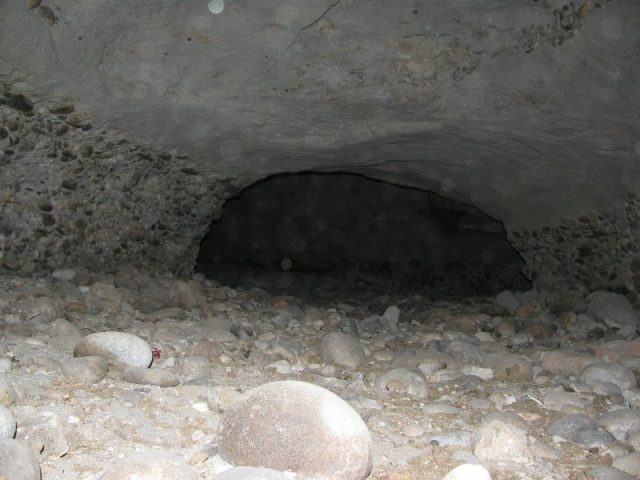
(629, 464)
(18, 461)
(160, 377)
(342, 349)
(603, 472)
(599, 373)
(497, 441)
(254, 473)
(468, 471)
(90, 369)
(153, 464)
(403, 381)
(7, 423)
(621, 423)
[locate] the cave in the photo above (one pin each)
(326, 239)
(344, 225)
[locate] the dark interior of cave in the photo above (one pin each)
(371, 233)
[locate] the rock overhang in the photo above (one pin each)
(526, 109)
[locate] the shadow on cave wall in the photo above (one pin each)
(346, 224)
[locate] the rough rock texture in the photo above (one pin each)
(74, 194)
(597, 251)
(526, 109)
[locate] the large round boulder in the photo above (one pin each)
(300, 427)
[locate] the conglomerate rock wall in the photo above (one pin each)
(72, 194)
(595, 252)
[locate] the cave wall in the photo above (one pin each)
(526, 109)
(74, 194)
(595, 252)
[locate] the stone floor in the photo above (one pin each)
(530, 385)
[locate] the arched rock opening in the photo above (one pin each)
(347, 224)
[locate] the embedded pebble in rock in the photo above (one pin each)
(299, 427)
(90, 369)
(193, 369)
(207, 349)
(63, 328)
(634, 440)
(499, 441)
(600, 373)
(568, 426)
(254, 473)
(621, 423)
(151, 465)
(630, 361)
(509, 367)
(615, 311)
(508, 300)
(566, 362)
(151, 376)
(8, 392)
(6, 364)
(120, 349)
(593, 438)
(611, 351)
(392, 314)
(281, 366)
(342, 349)
(629, 464)
(468, 471)
(18, 461)
(465, 352)
(559, 400)
(483, 373)
(602, 472)
(219, 398)
(458, 439)
(64, 274)
(403, 381)
(7, 423)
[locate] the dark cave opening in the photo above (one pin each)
(349, 226)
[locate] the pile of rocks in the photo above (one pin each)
(130, 375)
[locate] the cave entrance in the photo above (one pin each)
(361, 232)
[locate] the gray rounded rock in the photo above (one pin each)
(468, 471)
(599, 373)
(254, 473)
(6, 364)
(498, 441)
(299, 427)
(509, 367)
(568, 425)
(151, 465)
(616, 311)
(342, 349)
(620, 423)
(151, 376)
(8, 393)
(121, 349)
(89, 369)
(403, 381)
(602, 472)
(507, 299)
(7, 423)
(629, 463)
(17, 461)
